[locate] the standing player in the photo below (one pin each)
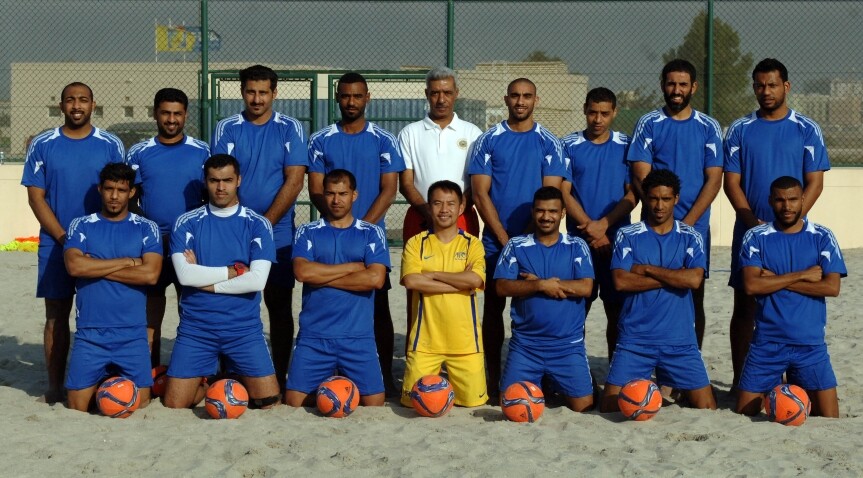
(549, 275)
(61, 174)
(169, 182)
(372, 155)
(601, 197)
(445, 268)
(508, 164)
(222, 253)
(341, 262)
(688, 143)
(436, 149)
(771, 142)
(270, 148)
(657, 263)
(790, 265)
(113, 254)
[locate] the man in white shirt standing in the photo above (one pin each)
(435, 149)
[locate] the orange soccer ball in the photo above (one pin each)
(522, 402)
(226, 398)
(639, 400)
(787, 404)
(160, 381)
(432, 396)
(337, 397)
(117, 397)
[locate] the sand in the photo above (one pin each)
(41, 440)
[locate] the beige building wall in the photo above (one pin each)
(842, 187)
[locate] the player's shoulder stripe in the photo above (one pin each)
(646, 119)
(378, 131)
(759, 230)
(78, 221)
(197, 143)
(324, 132)
(224, 123)
(363, 225)
(578, 242)
(572, 139)
(708, 121)
(620, 138)
(42, 137)
(197, 213)
(290, 121)
(139, 148)
(806, 121)
(741, 122)
(317, 224)
(253, 216)
(826, 232)
(137, 219)
(687, 230)
(110, 138)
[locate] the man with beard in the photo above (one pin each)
(61, 173)
(687, 142)
(342, 262)
(270, 147)
(509, 163)
(548, 275)
(169, 180)
(790, 265)
(372, 155)
(599, 198)
(657, 263)
(771, 142)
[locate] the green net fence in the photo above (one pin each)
(126, 50)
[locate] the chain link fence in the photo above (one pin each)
(127, 50)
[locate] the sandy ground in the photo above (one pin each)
(40, 439)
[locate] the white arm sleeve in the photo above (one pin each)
(253, 280)
(194, 275)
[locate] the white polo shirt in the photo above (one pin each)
(435, 154)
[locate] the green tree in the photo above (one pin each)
(732, 93)
(539, 55)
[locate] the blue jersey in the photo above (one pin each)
(600, 175)
(102, 302)
(786, 316)
(539, 319)
(761, 151)
(517, 162)
(367, 155)
(686, 147)
(217, 241)
(264, 151)
(68, 170)
(329, 312)
(664, 316)
(171, 177)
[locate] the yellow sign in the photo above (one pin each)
(174, 38)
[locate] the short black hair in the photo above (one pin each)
(681, 65)
(258, 73)
(338, 175)
(445, 185)
(75, 83)
(118, 172)
(520, 80)
(661, 177)
(770, 64)
(352, 77)
(785, 182)
(170, 95)
(601, 95)
(219, 161)
(547, 193)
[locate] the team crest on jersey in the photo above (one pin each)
(462, 144)
(460, 256)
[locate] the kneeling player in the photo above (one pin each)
(445, 268)
(790, 266)
(549, 275)
(113, 255)
(222, 253)
(341, 261)
(657, 263)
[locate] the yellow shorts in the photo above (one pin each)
(466, 373)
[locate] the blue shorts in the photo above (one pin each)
(678, 366)
(196, 353)
(101, 352)
(53, 282)
(566, 365)
(315, 360)
(282, 271)
(168, 275)
(807, 365)
(603, 284)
